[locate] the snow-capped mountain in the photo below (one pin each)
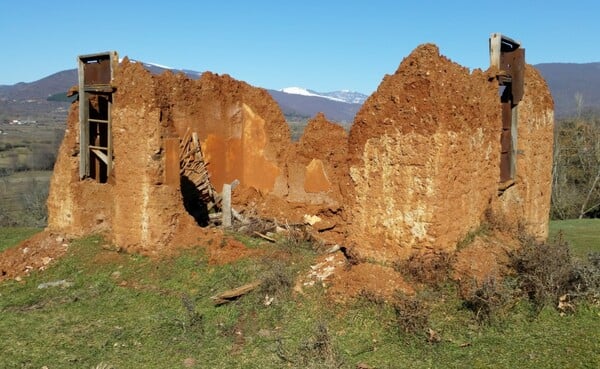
(346, 96)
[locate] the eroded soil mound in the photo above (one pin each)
(35, 253)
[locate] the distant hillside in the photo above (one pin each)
(291, 104)
(41, 89)
(565, 80)
(308, 106)
(568, 79)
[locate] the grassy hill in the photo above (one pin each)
(98, 306)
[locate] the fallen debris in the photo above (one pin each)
(235, 293)
(270, 239)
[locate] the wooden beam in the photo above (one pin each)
(226, 205)
(495, 46)
(84, 155)
(172, 171)
(513, 136)
(235, 293)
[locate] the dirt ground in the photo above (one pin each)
(35, 253)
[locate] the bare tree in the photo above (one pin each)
(33, 201)
(579, 104)
(576, 169)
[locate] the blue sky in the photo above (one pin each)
(322, 45)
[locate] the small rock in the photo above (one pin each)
(324, 225)
(46, 260)
(311, 219)
(189, 362)
(264, 333)
(433, 336)
(60, 239)
(333, 249)
(25, 250)
(268, 300)
(61, 283)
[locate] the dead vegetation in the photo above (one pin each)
(491, 301)
(431, 269)
(547, 273)
(412, 314)
(318, 351)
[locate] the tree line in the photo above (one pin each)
(576, 168)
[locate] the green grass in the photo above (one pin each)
(134, 312)
(583, 235)
(11, 236)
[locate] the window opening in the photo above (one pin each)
(508, 57)
(95, 100)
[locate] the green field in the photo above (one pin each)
(583, 235)
(130, 311)
(23, 198)
(11, 236)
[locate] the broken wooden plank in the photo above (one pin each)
(238, 216)
(102, 156)
(233, 294)
(270, 239)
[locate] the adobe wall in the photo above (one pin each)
(74, 207)
(527, 203)
(135, 209)
(418, 171)
(243, 135)
(425, 154)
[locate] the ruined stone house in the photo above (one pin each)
(419, 169)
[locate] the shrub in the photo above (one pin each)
(545, 270)
(319, 352)
(194, 321)
(412, 316)
(432, 268)
(277, 277)
(490, 301)
(585, 284)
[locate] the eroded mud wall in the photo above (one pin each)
(425, 157)
(74, 207)
(527, 203)
(147, 212)
(135, 209)
(418, 171)
(318, 171)
(244, 134)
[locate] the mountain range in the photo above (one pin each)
(295, 103)
(566, 81)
